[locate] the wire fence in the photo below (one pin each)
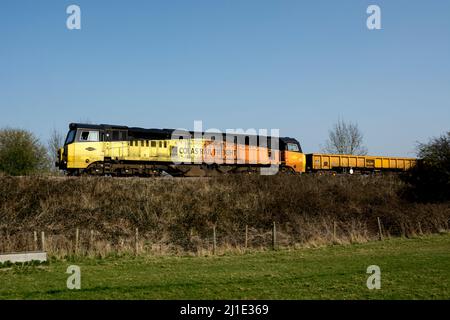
(88, 242)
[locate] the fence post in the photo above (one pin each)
(246, 236)
(380, 229)
(43, 240)
(214, 240)
(334, 231)
(8, 243)
(91, 241)
(274, 236)
(77, 239)
(136, 241)
(35, 238)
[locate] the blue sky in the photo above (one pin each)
(293, 65)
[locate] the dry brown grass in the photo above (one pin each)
(177, 215)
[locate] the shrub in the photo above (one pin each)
(21, 153)
(429, 180)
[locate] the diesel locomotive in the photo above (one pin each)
(130, 151)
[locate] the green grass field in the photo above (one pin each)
(410, 269)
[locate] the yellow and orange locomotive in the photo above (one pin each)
(121, 151)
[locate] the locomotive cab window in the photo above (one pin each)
(92, 136)
(70, 137)
(292, 147)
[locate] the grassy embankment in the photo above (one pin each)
(416, 268)
(178, 215)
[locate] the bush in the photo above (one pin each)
(21, 153)
(429, 180)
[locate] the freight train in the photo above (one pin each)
(130, 151)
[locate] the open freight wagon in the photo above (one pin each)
(316, 162)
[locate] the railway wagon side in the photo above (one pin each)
(316, 162)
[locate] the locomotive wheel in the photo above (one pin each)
(287, 171)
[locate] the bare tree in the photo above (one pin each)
(345, 138)
(55, 142)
